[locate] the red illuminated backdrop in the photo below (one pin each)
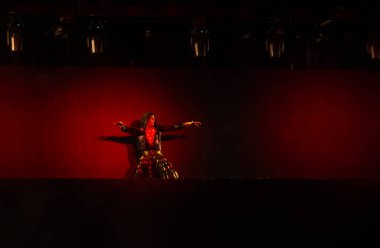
(314, 124)
(58, 122)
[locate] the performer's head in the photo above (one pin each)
(148, 118)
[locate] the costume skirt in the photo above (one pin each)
(152, 164)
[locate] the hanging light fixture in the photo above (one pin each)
(148, 33)
(60, 29)
(95, 39)
(373, 45)
(320, 30)
(275, 41)
(200, 42)
(15, 35)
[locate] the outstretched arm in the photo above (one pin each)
(163, 128)
(124, 128)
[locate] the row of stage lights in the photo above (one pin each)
(199, 38)
(95, 36)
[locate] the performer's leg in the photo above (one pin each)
(144, 169)
(165, 169)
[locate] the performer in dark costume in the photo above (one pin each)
(152, 164)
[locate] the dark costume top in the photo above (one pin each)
(142, 143)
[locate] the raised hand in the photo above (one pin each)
(119, 123)
(192, 123)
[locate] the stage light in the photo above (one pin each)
(373, 45)
(321, 38)
(95, 39)
(200, 42)
(60, 29)
(15, 35)
(275, 41)
(148, 34)
(320, 29)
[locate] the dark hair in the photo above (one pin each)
(145, 118)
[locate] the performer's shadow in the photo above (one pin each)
(131, 144)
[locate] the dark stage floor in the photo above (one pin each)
(189, 213)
